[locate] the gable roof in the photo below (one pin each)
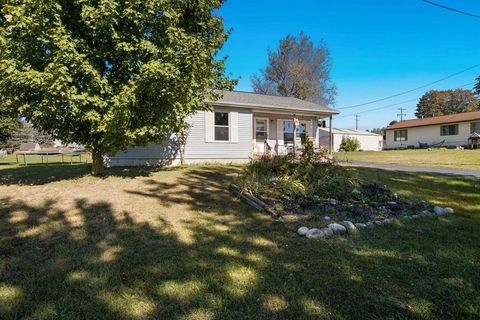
(263, 101)
(351, 132)
(451, 118)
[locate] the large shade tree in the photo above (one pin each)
(439, 103)
(110, 74)
(298, 68)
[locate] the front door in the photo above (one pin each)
(261, 135)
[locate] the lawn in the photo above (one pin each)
(462, 159)
(174, 244)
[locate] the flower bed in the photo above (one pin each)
(311, 190)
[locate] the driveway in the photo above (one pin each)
(399, 167)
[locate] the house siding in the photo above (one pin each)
(197, 150)
(429, 134)
(367, 142)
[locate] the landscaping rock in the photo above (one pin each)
(337, 228)
(327, 218)
(448, 210)
(333, 202)
(379, 223)
(370, 224)
(423, 214)
(439, 211)
(360, 225)
(391, 203)
(406, 218)
(327, 232)
(415, 216)
(349, 226)
(314, 234)
(387, 221)
(302, 231)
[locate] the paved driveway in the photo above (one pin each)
(399, 167)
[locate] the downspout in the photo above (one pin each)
(330, 140)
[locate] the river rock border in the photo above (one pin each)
(345, 227)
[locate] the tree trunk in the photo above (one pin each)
(97, 162)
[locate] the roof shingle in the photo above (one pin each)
(249, 99)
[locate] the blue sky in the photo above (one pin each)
(379, 48)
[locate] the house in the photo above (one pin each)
(241, 125)
(449, 131)
(369, 141)
(30, 146)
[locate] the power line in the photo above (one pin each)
(357, 118)
(411, 90)
(394, 104)
(451, 9)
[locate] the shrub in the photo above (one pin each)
(350, 144)
(308, 150)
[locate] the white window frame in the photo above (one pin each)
(222, 126)
(267, 120)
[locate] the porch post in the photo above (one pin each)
(330, 141)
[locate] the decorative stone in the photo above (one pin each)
(360, 225)
(333, 202)
(387, 221)
(391, 203)
(314, 234)
(448, 210)
(302, 231)
(415, 216)
(423, 214)
(349, 226)
(439, 211)
(337, 228)
(379, 223)
(406, 218)
(369, 224)
(327, 232)
(327, 218)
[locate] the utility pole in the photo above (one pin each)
(402, 113)
(357, 117)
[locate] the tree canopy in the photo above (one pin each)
(297, 68)
(109, 74)
(438, 103)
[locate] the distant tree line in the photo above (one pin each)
(439, 103)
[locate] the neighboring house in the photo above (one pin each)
(241, 125)
(369, 141)
(450, 131)
(31, 146)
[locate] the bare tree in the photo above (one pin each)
(298, 69)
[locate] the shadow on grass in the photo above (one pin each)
(94, 262)
(38, 174)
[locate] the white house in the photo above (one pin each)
(241, 125)
(369, 141)
(449, 131)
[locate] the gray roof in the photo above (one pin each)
(263, 101)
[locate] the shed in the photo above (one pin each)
(369, 141)
(474, 141)
(30, 146)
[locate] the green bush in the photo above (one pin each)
(302, 180)
(350, 144)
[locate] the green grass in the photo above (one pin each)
(174, 244)
(462, 159)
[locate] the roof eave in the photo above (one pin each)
(273, 108)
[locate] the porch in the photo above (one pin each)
(282, 133)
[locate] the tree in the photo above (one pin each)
(298, 69)
(7, 124)
(110, 74)
(439, 103)
(24, 132)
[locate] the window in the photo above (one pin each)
(261, 126)
(475, 127)
(221, 126)
(449, 130)
(288, 131)
(401, 135)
